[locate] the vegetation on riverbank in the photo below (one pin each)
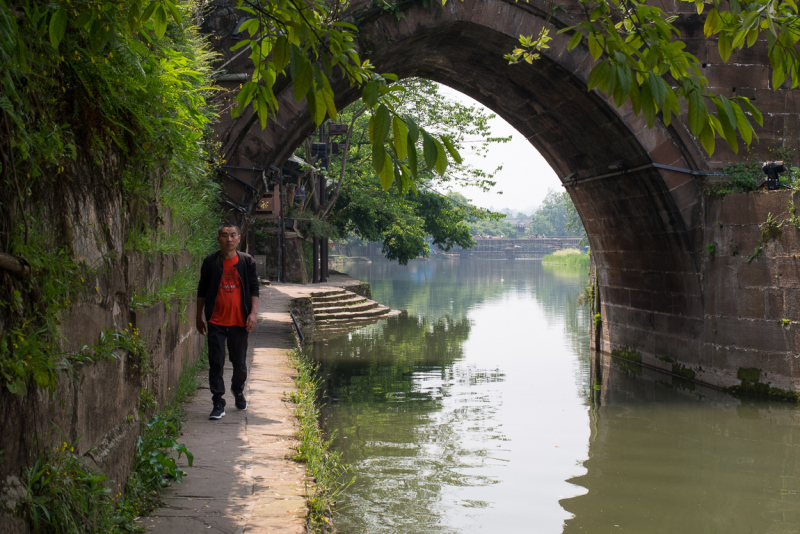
(105, 152)
(567, 256)
(61, 494)
(322, 464)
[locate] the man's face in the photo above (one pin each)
(228, 239)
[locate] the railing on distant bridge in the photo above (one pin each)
(485, 247)
(530, 248)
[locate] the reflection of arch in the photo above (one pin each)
(644, 225)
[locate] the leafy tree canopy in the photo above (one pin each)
(557, 216)
(641, 58)
(404, 222)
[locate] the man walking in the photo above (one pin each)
(228, 295)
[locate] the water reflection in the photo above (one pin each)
(426, 409)
(475, 412)
(667, 455)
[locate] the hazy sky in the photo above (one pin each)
(525, 177)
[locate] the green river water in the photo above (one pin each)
(473, 413)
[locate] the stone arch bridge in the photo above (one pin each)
(704, 313)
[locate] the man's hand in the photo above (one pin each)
(251, 321)
(201, 326)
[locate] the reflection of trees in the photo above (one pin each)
(377, 364)
(408, 415)
(384, 390)
(664, 458)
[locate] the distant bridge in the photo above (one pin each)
(529, 248)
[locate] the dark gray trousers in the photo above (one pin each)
(236, 338)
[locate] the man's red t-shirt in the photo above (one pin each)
(228, 309)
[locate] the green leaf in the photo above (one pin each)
(752, 37)
(412, 158)
(173, 9)
(452, 149)
(727, 128)
(378, 157)
(58, 27)
(370, 94)
(595, 47)
(574, 40)
(400, 134)
(387, 173)
(244, 97)
(85, 17)
(280, 53)
(413, 131)
(381, 123)
(398, 177)
(598, 75)
(302, 77)
(713, 23)
(18, 387)
(778, 75)
(429, 150)
(316, 104)
(707, 138)
(739, 38)
(160, 21)
(326, 64)
(148, 12)
(241, 44)
(752, 109)
(658, 87)
(330, 104)
(697, 113)
(745, 129)
(441, 158)
(636, 98)
(672, 101)
(724, 45)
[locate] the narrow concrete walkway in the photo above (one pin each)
(242, 480)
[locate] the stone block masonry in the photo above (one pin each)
(96, 404)
(741, 310)
(751, 312)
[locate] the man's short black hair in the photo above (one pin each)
(228, 225)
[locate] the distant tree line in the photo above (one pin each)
(556, 216)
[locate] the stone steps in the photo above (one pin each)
(342, 306)
(339, 303)
(374, 312)
(362, 305)
(331, 296)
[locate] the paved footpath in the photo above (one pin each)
(242, 480)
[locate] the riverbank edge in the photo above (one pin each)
(571, 260)
(323, 465)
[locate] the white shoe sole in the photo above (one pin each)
(220, 416)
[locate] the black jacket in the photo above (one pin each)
(211, 276)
